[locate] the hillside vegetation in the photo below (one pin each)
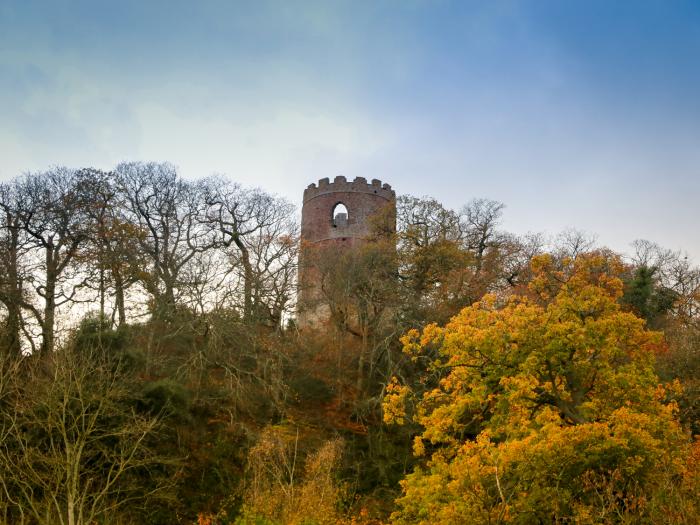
(151, 370)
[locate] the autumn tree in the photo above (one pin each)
(111, 256)
(664, 287)
(432, 264)
(448, 260)
(285, 487)
(538, 405)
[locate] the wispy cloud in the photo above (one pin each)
(573, 115)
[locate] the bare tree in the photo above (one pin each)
(480, 219)
(260, 231)
(170, 211)
(13, 246)
(274, 250)
(70, 442)
(572, 243)
(425, 220)
(55, 223)
(517, 252)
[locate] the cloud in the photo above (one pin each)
(283, 149)
(506, 100)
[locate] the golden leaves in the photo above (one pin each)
(535, 395)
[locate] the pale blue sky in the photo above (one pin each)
(574, 114)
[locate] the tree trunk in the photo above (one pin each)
(102, 293)
(168, 301)
(47, 328)
(361, 360)
(13, 327)
(119, 296)
(247, 279)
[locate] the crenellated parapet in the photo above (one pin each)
(341, 185)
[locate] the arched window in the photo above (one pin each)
(339, 215)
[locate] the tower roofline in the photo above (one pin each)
(341, 185)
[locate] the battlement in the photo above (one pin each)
(337, 216)
(341, 185)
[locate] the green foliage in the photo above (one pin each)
(95, 332)
(647, 297)
(167, 397)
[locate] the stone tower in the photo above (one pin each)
(335, 216)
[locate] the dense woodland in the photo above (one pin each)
(151, 370)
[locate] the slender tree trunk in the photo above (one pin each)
(163, 298)
(47, 329)
(14, 313)
(361, 360)
(119, 296)
(102, 293)
(71, 510)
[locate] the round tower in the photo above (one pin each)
(335, 215)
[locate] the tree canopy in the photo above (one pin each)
(544, 407)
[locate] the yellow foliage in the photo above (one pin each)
(545, 410)
(394, 402)
(280, 491)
